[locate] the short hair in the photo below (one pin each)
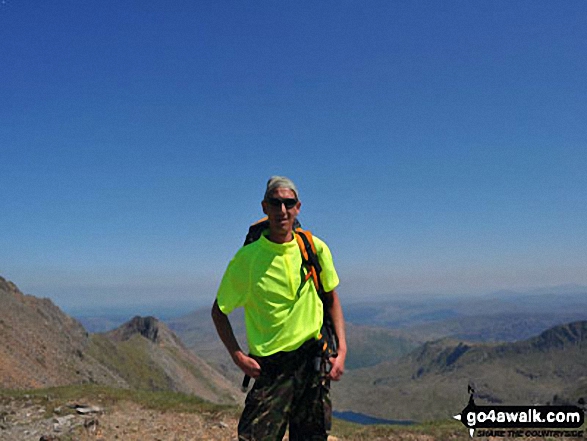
(280, 182)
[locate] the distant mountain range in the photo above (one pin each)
(43, 347)
(413, 311)
(388, 329)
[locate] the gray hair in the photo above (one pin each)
(280, 182)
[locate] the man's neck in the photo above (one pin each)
(280, 237)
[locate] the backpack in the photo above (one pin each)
(327, 340)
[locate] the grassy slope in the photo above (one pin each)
(130, 359)
(165, 401)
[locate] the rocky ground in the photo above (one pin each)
(29, 419)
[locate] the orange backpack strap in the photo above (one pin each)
(263, 220)
(327, 339)
(309, 257)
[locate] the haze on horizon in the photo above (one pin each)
(439, 148)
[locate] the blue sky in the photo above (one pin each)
(439, 147)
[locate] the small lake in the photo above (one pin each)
(360, 418)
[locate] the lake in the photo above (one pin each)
(360, 418)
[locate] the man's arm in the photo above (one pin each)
(335, 309)
(247, 364)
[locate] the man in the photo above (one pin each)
(283, 317)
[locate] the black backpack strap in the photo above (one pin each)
(255, 230)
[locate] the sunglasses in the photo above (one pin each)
(276, 202)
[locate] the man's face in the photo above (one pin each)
(281, 218)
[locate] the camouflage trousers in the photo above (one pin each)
(289, 391)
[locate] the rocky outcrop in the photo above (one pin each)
(148, 327)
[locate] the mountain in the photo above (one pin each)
(431, 382)
(44, 347)
(147, 355)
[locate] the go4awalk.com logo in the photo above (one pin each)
(522, 421)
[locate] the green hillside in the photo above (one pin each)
(130, 359)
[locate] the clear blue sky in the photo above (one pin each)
(439, 147)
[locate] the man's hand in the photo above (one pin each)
(247, 364)
(337, 368)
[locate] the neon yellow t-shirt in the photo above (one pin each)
(264, 278)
